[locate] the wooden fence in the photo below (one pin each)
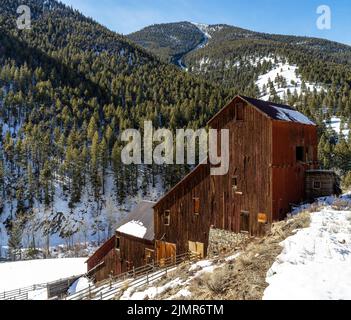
(54, 289)
(135, 278)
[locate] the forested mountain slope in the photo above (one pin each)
(69, 86)
(314, 75)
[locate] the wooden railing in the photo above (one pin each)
(135, 278)
(107, 289)
(23, 293)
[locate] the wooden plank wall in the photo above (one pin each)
(111, 266)
(288, 173)
(132, 251)
(250, 160)
(99, 254)
(328, 183)
(186, 226)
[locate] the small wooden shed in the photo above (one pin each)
(132, 245)
(321, 183)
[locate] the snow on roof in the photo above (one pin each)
(291, 115)
(139, 223)
(133, 228)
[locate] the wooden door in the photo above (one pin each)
(165, 252)
(197, 248)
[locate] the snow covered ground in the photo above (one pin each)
(335, 124)
(316, 262)
(293, 81)
(175, 283)
(87, 225)
(15, 275)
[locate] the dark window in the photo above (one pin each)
(317, 185)
(235, 183)
(196, 205)
(239, 112)
(167, 217)
(245, 222)
(129, 265)
(118, 243)
(300, 154)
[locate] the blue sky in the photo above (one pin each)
(296, 17)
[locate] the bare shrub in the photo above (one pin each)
(218, 281)
(341, 205)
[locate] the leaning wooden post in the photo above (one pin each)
(133, 272)
(89, 291)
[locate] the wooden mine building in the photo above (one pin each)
(273, 149)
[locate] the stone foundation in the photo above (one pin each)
(222, 241)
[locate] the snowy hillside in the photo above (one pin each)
(285, 78)
(85, 224)
(338, 126)
(308, 256)
(316, 262)
(15, 275)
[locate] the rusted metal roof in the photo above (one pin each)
(275, 111)
(278, 111)
(139, 223)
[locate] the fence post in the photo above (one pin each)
(133, 272)
(147, 277)
(89, 292)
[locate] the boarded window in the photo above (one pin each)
(167, 217)
(245, 222)
(239, 112)
(196, 205)
(149, 256)
(262, 218)
(317, 185)
(118, 243)
(300, 154)
(197, 248)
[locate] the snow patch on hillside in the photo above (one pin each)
(336, 125)
(15, 275)
(204, 28)
(316, 262)
(86, 220)
(290, 80)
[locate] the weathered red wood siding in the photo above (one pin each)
(288, 174)
(132, 251)
(99, 254)
(250, 160)
(184, 225)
